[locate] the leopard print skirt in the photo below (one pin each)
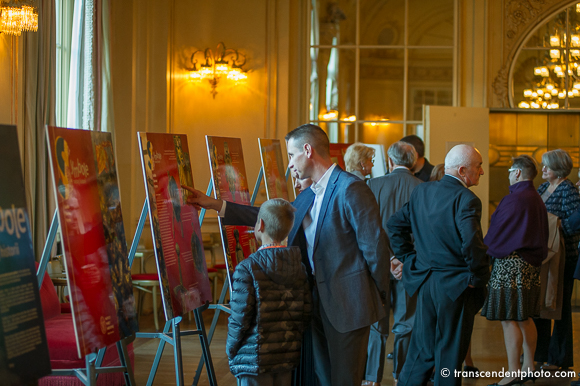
(513, 290)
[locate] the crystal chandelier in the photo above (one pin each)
(557, 75)
(17, 16)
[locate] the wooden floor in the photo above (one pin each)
(487, 349)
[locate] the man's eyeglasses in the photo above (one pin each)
(512, 169)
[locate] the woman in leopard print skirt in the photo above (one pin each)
(518, 242)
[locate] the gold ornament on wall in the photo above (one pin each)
(223, 62)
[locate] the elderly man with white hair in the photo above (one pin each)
(445, 264)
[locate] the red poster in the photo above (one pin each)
(98, 273)
(274, 171)
(174, 225)
(337, 151)
(231, 184)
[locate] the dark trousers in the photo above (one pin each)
(557, 346)
(441, 334)
(375, 365)
(403, 319)
(339, 358)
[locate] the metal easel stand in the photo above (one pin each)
(220, 306)
(88, 375)
(174, 337)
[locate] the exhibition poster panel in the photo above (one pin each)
(174, 224)
(337, 151)
(114, 232)
(22, 333)
(101, 295)
(273, 165)
(231, 184)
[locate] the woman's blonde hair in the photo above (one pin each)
(356, 154)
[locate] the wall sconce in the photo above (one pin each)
(17, 16)
(223, 62)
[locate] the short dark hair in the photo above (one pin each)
(278, 217)
(312, 135)
(527, 165)
(417, 144)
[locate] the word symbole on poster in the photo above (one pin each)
(80, 169)
(13, 221)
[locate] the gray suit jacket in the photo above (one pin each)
(351, 252)
(392, 191)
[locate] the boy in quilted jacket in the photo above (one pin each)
(271, 304)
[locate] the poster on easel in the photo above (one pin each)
(273, 166)
(84, 173)
(228, 173)
(174, 224)
(337, 151)
(22, 333)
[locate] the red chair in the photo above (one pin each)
(62, 344)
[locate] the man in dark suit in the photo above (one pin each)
(392, 191)
(338, 229)
(446, 266)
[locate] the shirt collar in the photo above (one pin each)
(400, 167)
(320, 186)
(462, 183)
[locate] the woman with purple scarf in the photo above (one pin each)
(518, 241)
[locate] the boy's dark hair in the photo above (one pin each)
(312, 135)
(278, 216)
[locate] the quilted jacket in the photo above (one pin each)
(271, 304)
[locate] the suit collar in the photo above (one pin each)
(401, 170)
(447, 178)
(320, 186)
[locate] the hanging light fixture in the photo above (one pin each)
(223, 62)
(17, 16)
(556, 77)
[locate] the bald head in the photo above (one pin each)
(465, 163)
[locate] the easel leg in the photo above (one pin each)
(205, 347)
(126, 362)
(211, 330)
(91, 371)
(160, 349)
(177, 352)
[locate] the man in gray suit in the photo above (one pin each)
(338, 229)
(392, 191)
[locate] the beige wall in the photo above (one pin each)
(446, 127)
(152, 45)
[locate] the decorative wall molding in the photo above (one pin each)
(520, 17)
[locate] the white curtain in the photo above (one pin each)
(89, 92)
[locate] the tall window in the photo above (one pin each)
(546, 72)
(64, 21)
(375, 63)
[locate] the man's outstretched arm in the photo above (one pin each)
(231, 213)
